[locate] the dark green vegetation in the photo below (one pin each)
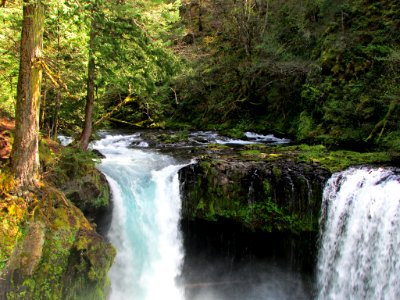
(331, 160)
(319, 71)
(133, 66)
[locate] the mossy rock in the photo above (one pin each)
(262, 195)
(60, 256)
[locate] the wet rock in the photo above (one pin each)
(278, 195)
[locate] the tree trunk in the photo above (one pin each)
(25, 152)
(54, 130)
(87, 129)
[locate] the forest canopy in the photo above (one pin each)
(317, 71)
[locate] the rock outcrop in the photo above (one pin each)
(262, 195)
(243, 210)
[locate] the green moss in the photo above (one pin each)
(47, 152)
(74, 259)
(180, 136)
(269, 216)
(79, 179)
(252, 152)
(13, 216)
(200, 206)
(60, 256)
(73, 163)
(277, 172)
(217, 147)
(267, 188)
(335, 160)
(260, 147)
(233, 133)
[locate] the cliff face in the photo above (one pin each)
(239, 210)
(262, 195)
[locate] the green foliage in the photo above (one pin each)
(72, 260)
(73, 163)
(250, 66)
(131, 53)
(133, 59)
(305, 126)
(313, 69)
(268, 216)
(180, 136)
(358, 74)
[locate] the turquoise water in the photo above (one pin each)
(144, 227)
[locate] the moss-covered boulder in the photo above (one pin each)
(74, 173)
(59, 254)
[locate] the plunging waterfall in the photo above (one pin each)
(359, 254)
(144, 228)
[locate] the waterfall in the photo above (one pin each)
(359, 256)
(144, 227)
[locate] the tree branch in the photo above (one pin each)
(55, 79)
(108, 115)
(382, 123)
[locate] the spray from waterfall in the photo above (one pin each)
(359, 256)
(144, 227)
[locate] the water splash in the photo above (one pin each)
(359, 255)
(144, 228)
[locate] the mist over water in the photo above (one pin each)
(360, 245)
(251, 281)
(226, 261)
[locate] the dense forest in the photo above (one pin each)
(317, 71)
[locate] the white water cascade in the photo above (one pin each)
(359, 255)
(144, 227)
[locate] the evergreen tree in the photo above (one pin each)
(25, 156)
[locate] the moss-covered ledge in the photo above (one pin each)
(263, 195)
(75, 174)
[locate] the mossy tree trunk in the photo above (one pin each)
(88, 125)
(25, 154)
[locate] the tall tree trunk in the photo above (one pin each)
(54, 130)
(87, 129)
(25, 152)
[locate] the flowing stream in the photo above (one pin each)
(360, 244)
(144, 227)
